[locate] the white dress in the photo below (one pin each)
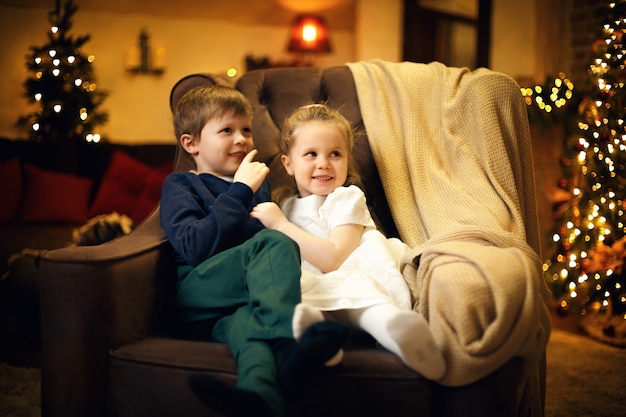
(371, 273)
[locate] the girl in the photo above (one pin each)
(349, 271)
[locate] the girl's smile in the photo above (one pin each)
(318, 159)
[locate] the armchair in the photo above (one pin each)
(109, 348)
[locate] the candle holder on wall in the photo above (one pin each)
(142, 59)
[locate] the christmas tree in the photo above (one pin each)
(586, 272)
(62, 87)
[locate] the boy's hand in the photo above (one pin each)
(269, 214)
(252, 173)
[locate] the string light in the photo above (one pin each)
(560, 91)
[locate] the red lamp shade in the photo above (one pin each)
(309, 34)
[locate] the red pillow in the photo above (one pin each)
(10, 188)
(54, 196)
(128, 187)
(149, 197)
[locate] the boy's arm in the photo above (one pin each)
(199, 223)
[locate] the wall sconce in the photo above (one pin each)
(142, 60)
(309, 35)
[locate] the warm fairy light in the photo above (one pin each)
(556, 96)
(92, 137)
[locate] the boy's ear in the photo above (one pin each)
(287, 164)
(188, 144)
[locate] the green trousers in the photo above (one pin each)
(245, 296)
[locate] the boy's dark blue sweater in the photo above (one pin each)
(203, 215)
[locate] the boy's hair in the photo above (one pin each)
(201, 104)
(317, 113)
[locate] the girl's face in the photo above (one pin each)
(224, 141)
(318, 159)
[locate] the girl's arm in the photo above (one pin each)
(325, 254)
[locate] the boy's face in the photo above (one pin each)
(318, 159)
(223, 143)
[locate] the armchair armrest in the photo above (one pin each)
(94, 298)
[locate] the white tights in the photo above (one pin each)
(403, 332)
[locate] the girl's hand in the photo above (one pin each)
(269, 214)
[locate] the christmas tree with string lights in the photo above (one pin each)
(62, 87)
(586, 272)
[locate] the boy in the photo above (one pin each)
(238, 283)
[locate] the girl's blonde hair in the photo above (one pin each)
(317, 113)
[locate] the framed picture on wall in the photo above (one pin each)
(454, 32)
(465, 8)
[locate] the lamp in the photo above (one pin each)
(309, 34)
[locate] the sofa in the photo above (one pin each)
(110, 348)
(50, 190)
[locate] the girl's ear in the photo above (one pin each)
(188, 144)
(287, 164)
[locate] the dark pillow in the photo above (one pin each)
(54, 196)
(128, 187)
(10, 188)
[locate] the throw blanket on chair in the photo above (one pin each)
(453, 151)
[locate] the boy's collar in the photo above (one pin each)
(225, 178)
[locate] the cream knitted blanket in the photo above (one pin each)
(453, 151)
